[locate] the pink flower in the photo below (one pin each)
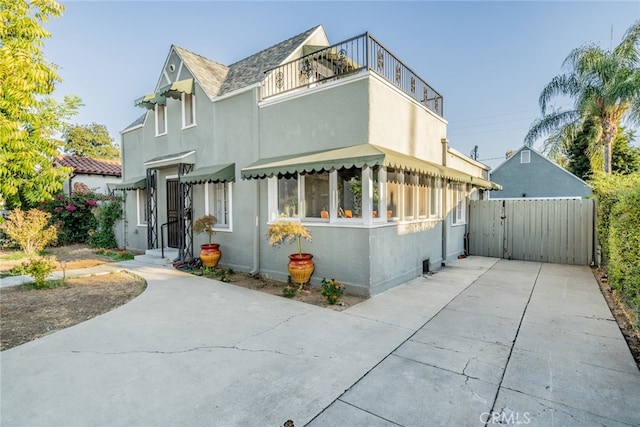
(90, 203)
(70, 208)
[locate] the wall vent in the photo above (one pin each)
(425, 266)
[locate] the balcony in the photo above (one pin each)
(326, 64)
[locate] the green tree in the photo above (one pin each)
(29, 117)
(605, 88)
(583, 158)
(90, 141)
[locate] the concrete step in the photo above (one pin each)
(154, 256)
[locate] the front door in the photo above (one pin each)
(173, 204)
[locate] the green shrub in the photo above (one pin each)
(608, 189)
(289, 291)
(618, 199)
(106, 214)
(38, 269)
(332, 290)
(624, 248)
(29, 230)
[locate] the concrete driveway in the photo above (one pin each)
(483, 340)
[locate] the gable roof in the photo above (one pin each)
(251, 69)
(217, 79)
(209, 74)
(91, 166)
(541, 156)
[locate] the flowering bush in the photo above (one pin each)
(73, 215)
(332, 290)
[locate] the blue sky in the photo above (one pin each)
(489, 60)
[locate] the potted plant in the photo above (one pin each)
(300, 264)
(209, 252)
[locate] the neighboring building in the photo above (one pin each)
(90, 173)
(528, 174)
(344, 138)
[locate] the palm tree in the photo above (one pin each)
(605, 88)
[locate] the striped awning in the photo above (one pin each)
(131, 184)
(176, 89)
(356, 156)
(215, 173)
(149, 101)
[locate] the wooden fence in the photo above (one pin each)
(558, 231)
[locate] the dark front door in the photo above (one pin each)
(173, 228)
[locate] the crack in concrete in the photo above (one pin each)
(188, 350)
(276, 326)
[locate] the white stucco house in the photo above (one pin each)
(342, 137)
(89, 173)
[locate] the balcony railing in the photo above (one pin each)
(347, 58)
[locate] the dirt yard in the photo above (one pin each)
(27, 314)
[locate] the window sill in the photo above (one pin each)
(458, 224)
(161, 134)
(189, 126)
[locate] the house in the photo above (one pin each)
(529, 174)
(89, 173)
(343, 137)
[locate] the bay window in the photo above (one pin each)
(354, 195)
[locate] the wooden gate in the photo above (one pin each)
(560, 231)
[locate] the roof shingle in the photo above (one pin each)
(91, 166)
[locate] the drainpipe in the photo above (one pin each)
(445, 146)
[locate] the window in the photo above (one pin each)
(316, 195)
(409, 196)
(458, 204)
(525, 156)
(434, 198)
(288, 197)
(141, 205)
(423, 197)
(218, 203)
(161, 119)
(393, 194)
(350, 193)
(188, 110)
(355, 195)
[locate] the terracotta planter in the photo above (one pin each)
(300, 268)
(210, 254)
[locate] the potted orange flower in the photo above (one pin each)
(209, 252)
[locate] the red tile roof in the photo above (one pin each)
(90, 166)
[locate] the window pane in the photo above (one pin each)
(187, 103)
(219, 203)
(288, 197)
(423, 198)
(409, 201)
(142, 207)
(433, 203)
(350, 193)
(161, 124)
(316, 195)
(375, 203)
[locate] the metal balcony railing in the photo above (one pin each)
(325, 64)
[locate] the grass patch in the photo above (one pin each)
(13, 256)
(122, 255)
